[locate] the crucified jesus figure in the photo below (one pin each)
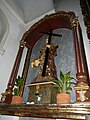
(45, 62)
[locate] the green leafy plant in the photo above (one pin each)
(17, 85)
(63, 84)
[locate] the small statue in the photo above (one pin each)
(38, 98)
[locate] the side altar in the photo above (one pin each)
(41, 88)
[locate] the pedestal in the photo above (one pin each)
(82, 89)
(45, 90)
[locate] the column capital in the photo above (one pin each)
(22, 43)
(74, 22)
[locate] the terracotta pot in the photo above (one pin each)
(63, 98)
(16, 100)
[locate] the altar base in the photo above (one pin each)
(45, 90)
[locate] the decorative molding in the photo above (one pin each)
(39, 18)
(51, 111)
(13, 12)
(5, 30)
(2, 51)
(21, 21)
(61, 15)
(22, 43)
(69, 15)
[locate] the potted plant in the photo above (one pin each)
(63, 86)
(16, 98)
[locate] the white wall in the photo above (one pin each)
(10, 46)
(16, 30)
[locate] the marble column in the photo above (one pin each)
(81, 65)
(6, 97)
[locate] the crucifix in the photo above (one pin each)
(50, 34)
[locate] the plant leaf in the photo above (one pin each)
(64, 84)
(62, 76)
(18, 83)
(57, 82)
(16, 90)
(67, 75)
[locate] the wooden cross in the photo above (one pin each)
(50, 34)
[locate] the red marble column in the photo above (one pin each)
(6, 97)
(79, 56)
(81, 66)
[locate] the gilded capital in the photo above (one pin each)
(74, 22)
(22, 43)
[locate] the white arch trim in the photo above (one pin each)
(5, 31)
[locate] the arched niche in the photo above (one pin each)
(64, 59)
(54, 21)
(4, 29)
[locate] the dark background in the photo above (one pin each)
(88, 2)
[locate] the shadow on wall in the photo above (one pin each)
(4, 30)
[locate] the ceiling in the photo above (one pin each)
(27, 10)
